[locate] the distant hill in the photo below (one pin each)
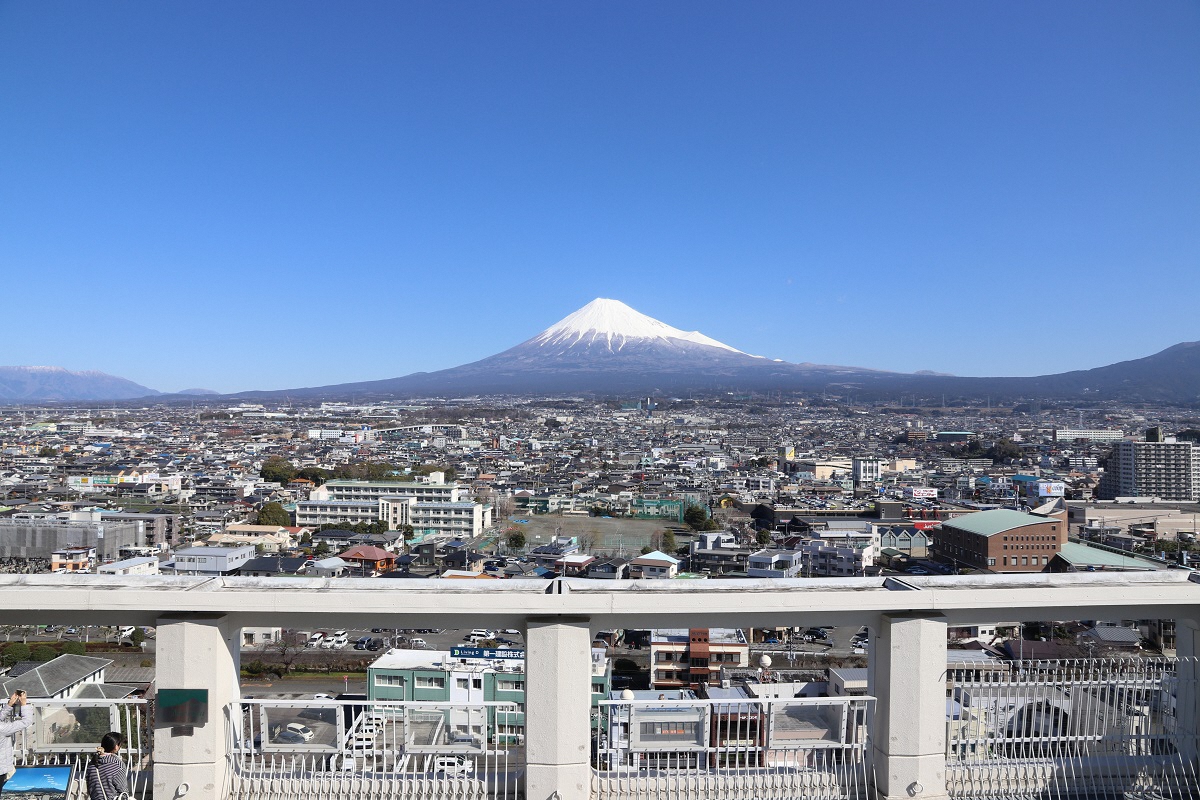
(197, 391)
(33, 384)
(608, 348)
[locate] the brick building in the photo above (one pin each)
(1000, 540)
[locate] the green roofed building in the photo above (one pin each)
(1000, 540)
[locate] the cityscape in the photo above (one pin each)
(624, 401)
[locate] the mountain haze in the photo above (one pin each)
(34, 384)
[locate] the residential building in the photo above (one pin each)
(1163, 470)
(655, 564)
(141, 565)
(692, 657)
(210, 560)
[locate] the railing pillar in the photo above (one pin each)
(558, 703)
(195, 651)
(907, 675)
(1187, 691)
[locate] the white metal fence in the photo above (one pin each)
(283, 749)
(67, 732)
(814, 748)
(1095, 728)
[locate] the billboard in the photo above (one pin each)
(1051, 489)
(921, 492)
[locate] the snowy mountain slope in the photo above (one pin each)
(617, 325)
(27, 384)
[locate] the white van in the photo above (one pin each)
(453, 765)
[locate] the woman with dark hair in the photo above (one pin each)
(107, 777)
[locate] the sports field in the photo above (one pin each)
(596, 534)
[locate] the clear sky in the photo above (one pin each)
(239, 195)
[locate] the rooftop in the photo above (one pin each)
(998, 520)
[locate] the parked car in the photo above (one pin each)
(316, 639)
(375, 644)
(300, 729)
(289, 737)
(453, 765)
(362, 643)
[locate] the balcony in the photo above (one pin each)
(925, 729)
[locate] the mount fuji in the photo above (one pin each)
(606, 347)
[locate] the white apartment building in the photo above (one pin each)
(1166, 470)
(1089, 434)
(838, 553)
(867, 470)
(374, 490)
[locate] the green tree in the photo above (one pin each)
(515, 540)
(763, 537)
(697, 519)
(322, 549)
(273, 513)
(47, 452)
(277, 469)
(17, 651)
(1004, 448)
(647, 550)
(669, 545)
(137, 637)
(74, 649)
(43, 653)
(314, 474)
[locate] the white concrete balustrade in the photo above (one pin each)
(198, 622)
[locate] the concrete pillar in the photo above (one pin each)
(558, 700)
(195, 651)
(907, 676)
(1187, 692)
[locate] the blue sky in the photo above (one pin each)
(271, 195)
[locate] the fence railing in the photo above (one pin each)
(282, 749)
(67, 733)
(1094, 728)
(745, 748)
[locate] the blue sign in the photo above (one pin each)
(485, 652)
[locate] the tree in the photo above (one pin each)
(697, 519)
(668, 542)
(43, 652)
(47, 452)
(137, 637)
(17, 651)
(763, 537)
(273, 513)
(314, 474)
(515, 540)
(74, 649)
(284, 649)
(278, 470)
(322, 549)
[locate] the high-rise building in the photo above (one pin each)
(1166, 470)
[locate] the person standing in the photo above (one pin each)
(106, 774)
(17, 717)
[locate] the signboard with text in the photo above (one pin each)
(485, 652)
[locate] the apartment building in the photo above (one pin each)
(681, 658)
(1166, 470)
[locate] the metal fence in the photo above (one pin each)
(328, 749)
(815, 748)
(1094, 728)
(67, 733)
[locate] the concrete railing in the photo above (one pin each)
(199, 621)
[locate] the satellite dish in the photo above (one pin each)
(765, 661)
(628, 695)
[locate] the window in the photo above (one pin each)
(461, 683)
(389, 680)
(509, 685)
(430, 682)
(992, 562)
(668, 731)
(476, 683)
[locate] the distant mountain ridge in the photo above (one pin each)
(608, 348)
(57, 384)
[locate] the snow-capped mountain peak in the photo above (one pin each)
(616, 324)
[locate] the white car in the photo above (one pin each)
(301, 730)
(453, 765)
(340, 642)
(316, 639)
